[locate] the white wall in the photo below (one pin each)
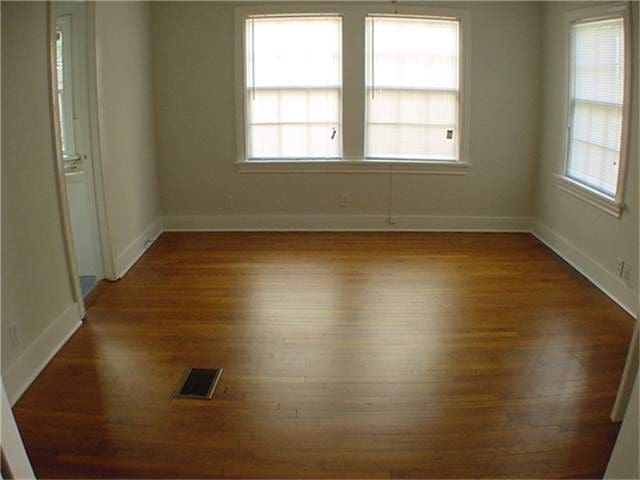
(193, 77)
(591, 238)
(123, 36)
(36, 289)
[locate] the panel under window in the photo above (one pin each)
(597, 100)
(413, 88)
(293, 87)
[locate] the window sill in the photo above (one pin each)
(590, 195)
(354, 166)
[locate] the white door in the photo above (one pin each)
(73, 98)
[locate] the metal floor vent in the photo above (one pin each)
(198, 383)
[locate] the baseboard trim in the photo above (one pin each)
(36, 356)
(134, 251)
(596, 273)
(351, 223)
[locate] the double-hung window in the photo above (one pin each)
(293, 87)
(598, 106)
(360, 87)
(412, 88)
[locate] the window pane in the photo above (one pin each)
(293, 86)
(594, 165)
(412, 88)
(60, 86)
(402, 141)
(598, 124)
(597, 103)
(298, 105)
(599, 61)
(414, 107)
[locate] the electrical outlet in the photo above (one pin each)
(345, 201)
(228, 202)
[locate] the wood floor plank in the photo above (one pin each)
(346, 355)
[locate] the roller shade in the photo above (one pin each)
(293, 86)
(413, 83)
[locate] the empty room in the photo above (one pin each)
(366, 239)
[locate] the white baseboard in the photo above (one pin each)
(427, 223)
(132, 252)
(602, 278)
(28, 366)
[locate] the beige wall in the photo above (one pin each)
(36, 288)
(600, 236)
(35, 284)
(123, 35)
(193, 61)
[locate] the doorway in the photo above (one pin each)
(72, 82)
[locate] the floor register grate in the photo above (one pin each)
(198, 383)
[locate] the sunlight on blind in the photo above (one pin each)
(597, 103)
(293, 87)
(412, 88)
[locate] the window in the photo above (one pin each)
(361, 87)
(597, 123)
(293, 87)
(412, 88)
(65, 87)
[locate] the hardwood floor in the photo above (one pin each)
(366, 355)
(92, 296)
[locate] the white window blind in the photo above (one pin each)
(597, 85)
(293, 87)
(413, 80)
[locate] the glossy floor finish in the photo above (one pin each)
(345, 355)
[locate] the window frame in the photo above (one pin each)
(613, 205)
(353, 92)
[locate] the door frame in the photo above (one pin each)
(97, 147)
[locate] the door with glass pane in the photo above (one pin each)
(73, 100)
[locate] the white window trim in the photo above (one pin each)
(590, 195)
(353, 93)
(350, 166)
(613, 205)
